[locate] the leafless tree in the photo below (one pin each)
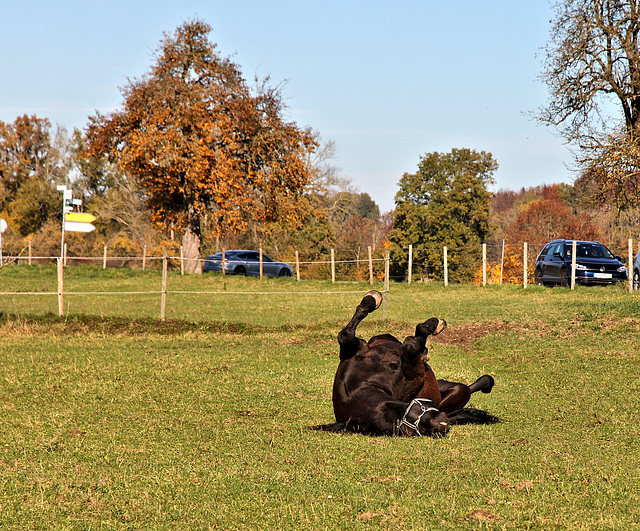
(592, 70)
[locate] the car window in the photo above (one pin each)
(593, 250)
(265, 258)
(559, 248)
(585, 250)
(546, 250)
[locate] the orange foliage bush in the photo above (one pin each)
(512, 268)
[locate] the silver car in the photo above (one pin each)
(244, 262)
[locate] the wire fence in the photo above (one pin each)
(488, 263)
(515, 265)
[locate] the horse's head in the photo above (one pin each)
(422, 418)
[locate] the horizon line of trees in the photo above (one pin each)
(443, 203)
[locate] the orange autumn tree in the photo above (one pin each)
(542, 220)
(205, 148)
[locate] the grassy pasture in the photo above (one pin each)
(113, 419)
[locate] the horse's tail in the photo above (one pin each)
(336, 427)
(469, 415)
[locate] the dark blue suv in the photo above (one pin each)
(595, 264)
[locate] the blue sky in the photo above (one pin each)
(386, 81)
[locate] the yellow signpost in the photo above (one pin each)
(81, 217)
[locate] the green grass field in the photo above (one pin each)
(112, 419)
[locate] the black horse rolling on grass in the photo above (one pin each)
(385, 387)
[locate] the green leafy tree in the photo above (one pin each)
(445, 203)
(206, 148)
(32, 162)
(24, 147)
(36, 202)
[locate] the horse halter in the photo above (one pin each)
(425, 405)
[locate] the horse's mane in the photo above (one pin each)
(469, 415)
(345, 427)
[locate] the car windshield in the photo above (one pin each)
(591, 250)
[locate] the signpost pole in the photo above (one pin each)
(3, 227)
(60, 288)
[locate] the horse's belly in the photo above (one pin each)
(430, 387)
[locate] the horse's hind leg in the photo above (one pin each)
(484, 384)
(456, 395)
(349, 343)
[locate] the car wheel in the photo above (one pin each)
(537, 277)
(284, 272)
(636, 280)
(565, 279)
(240, 270)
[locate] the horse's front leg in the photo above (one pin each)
(350, 345)
(419, 378)
(414, 351)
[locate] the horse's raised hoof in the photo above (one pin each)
(431, 327)
(484, 384)
(377, 300)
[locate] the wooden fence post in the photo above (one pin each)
(297, 267)
(163, 295)
(386, 284)
(144, 257)
(370, 265)
(261, 263)
(333, 267)
(573, 263)
(410, 263)
(446, 266)
(502, 262)
(630, 269)
(29, 252)
(524, 264)
(182, 260)
(60, 288)
(223, 261)
(484, 264)
(64, 261)
(104, 258)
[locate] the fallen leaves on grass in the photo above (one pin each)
(521, 485)
(483, 516)
(384, 479)
(300, 395)
(393, 513)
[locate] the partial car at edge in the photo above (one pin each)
(595, 264)
(245, 262)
